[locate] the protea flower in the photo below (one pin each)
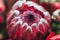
(27, 21)
(56, 15)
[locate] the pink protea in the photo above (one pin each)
(26, 19)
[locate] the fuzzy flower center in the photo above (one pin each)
(30, 17)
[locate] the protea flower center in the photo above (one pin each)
(30, 17)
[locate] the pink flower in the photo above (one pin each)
(56, 37)
(26, 19)
(2, 6)
(52, 36)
